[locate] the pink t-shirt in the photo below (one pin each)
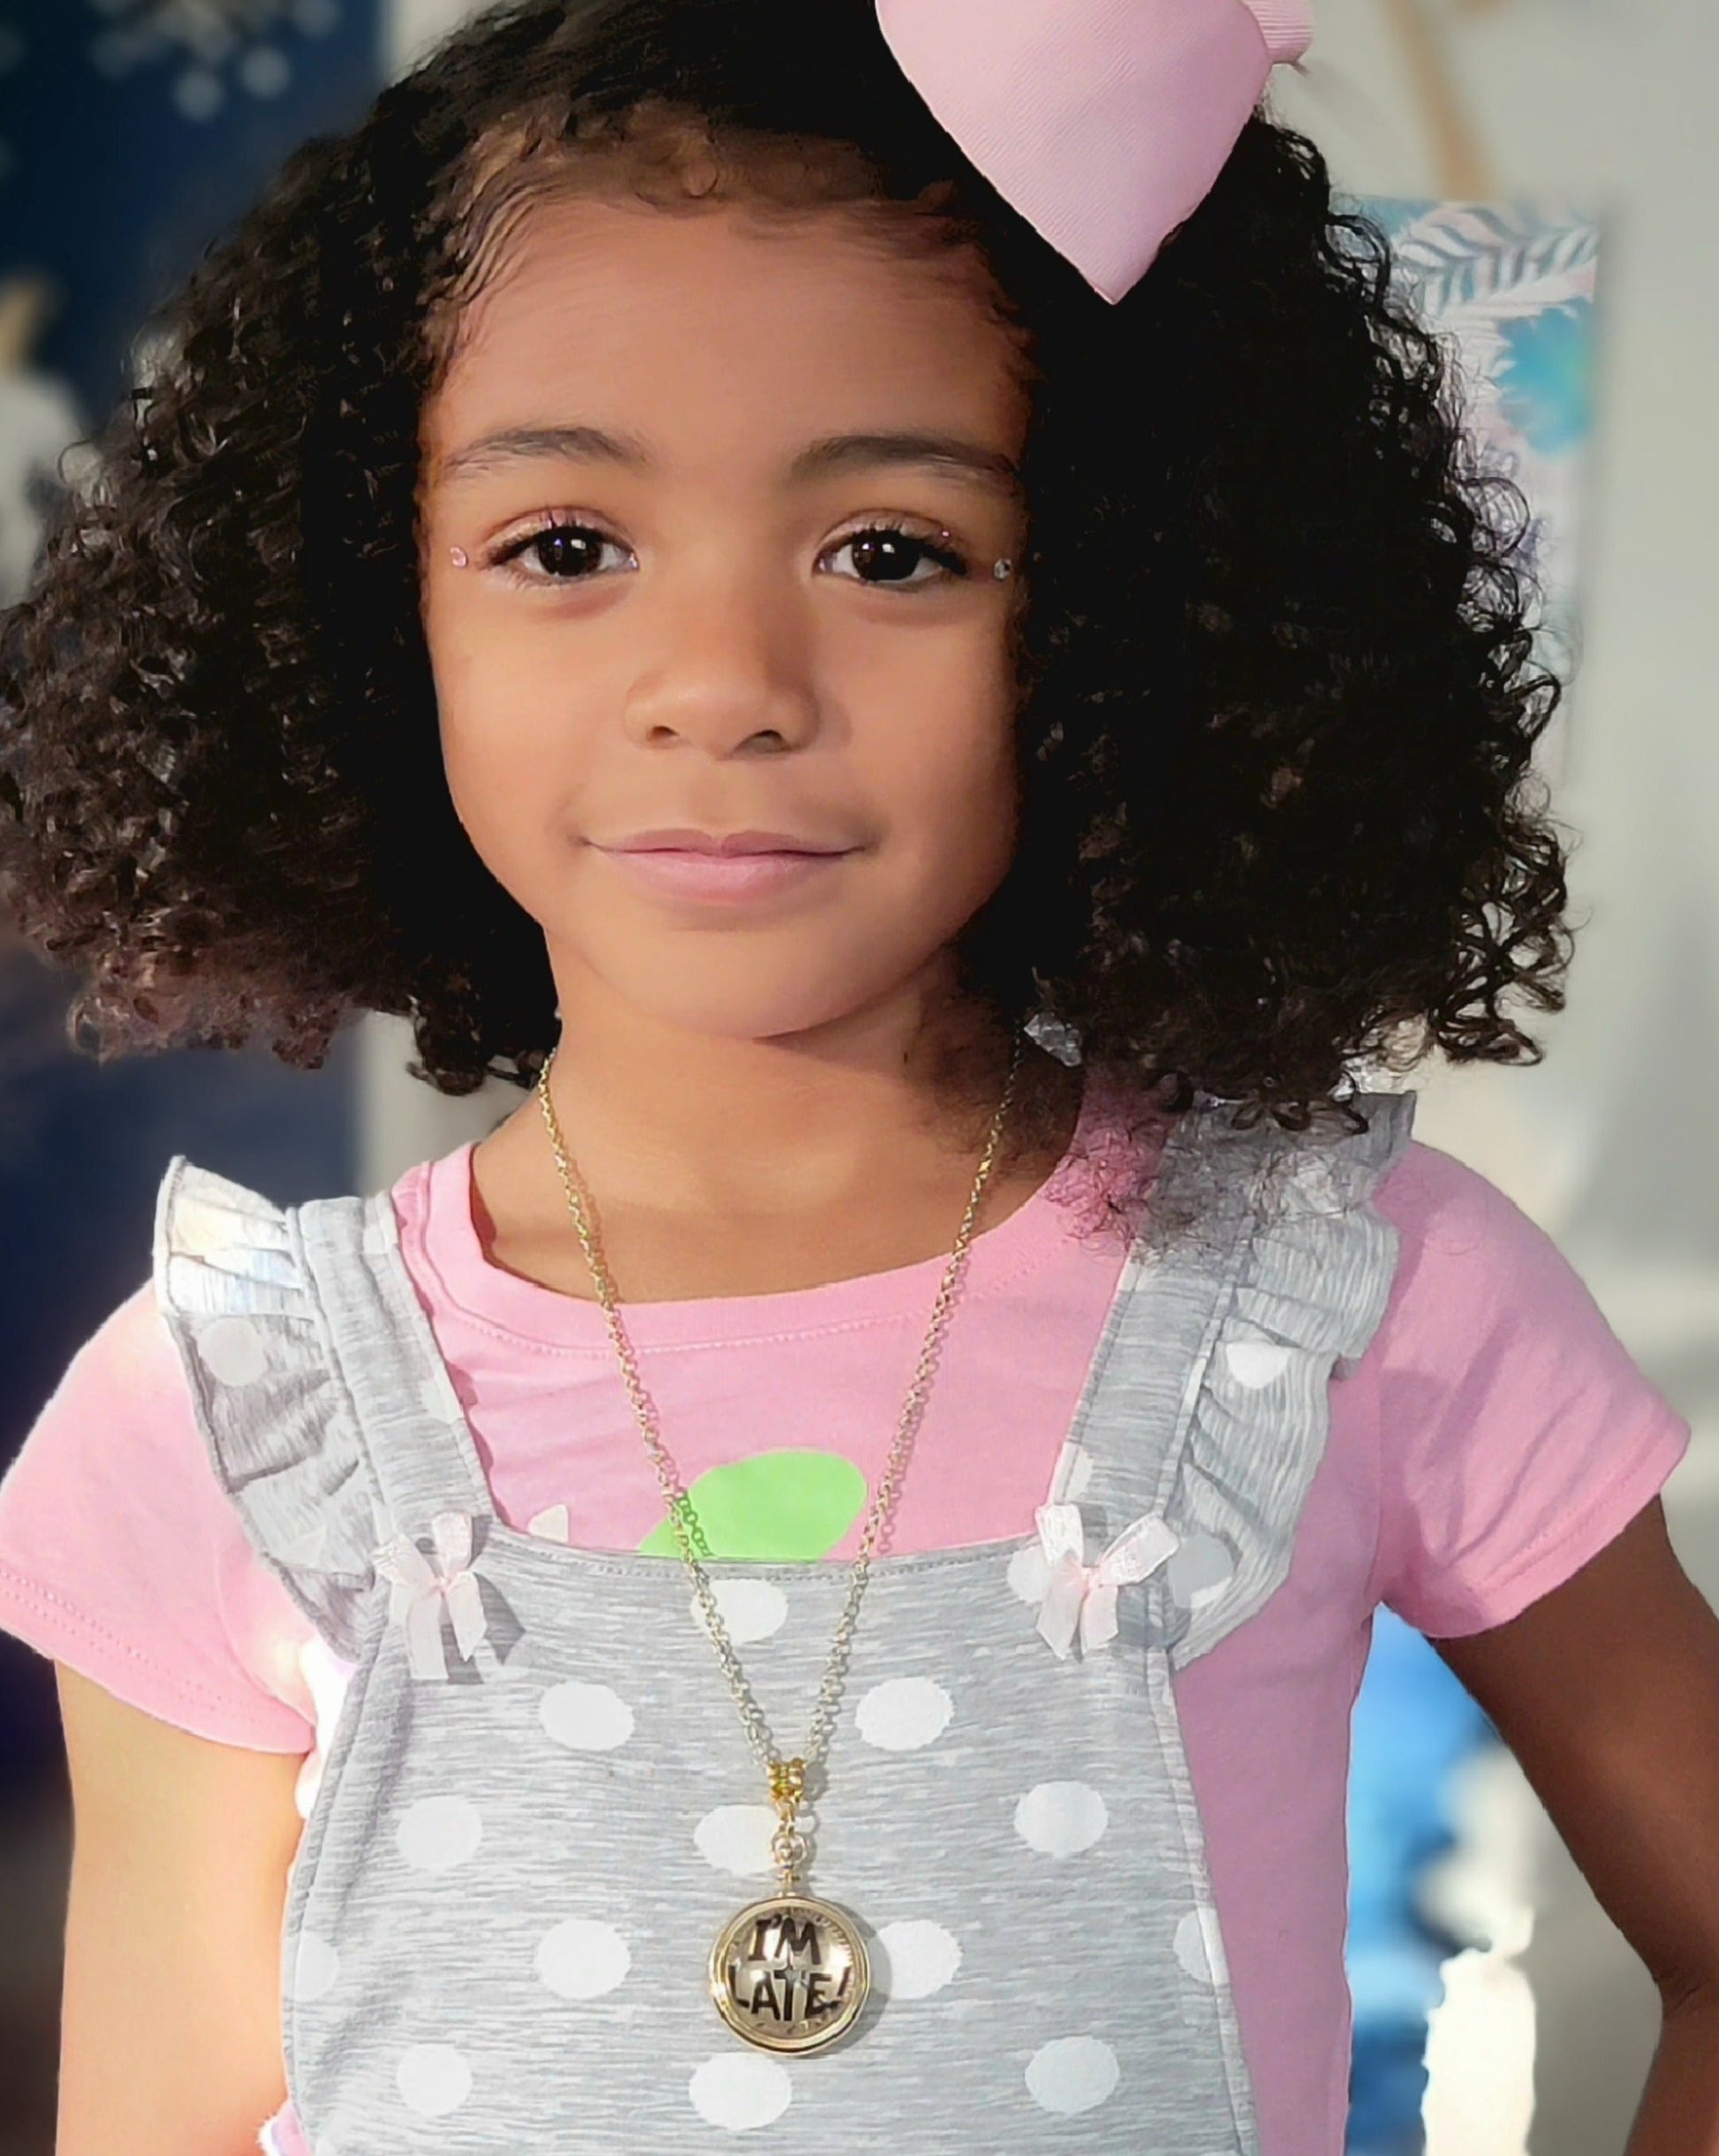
(1494, 1437)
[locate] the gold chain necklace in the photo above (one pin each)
(791, 1973)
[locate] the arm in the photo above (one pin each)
(171, 2039)
(1606, 1689)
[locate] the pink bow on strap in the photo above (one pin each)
(1103, 122)
(1083, 1594)
(418, 1592)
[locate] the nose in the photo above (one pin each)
(725, 663)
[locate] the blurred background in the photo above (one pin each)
(1548, 169)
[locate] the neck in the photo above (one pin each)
(723, 1167)
(666, 1119)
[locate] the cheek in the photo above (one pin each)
(938, 720)
(510, 730)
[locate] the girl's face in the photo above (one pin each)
(649, 600)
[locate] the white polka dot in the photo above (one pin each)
(231, 1350)
(1060, 1818)
(585, 1717)
(737, 1838)
(434, 2079)
(437, 1397)
(1080, 1473)
(552, 1524)
(582, 1958)
(749, 1608)
(1200, 1570)
(438, 1832)
(1072, 2073)
(200, 1227)
(1255, 1363)
(307, 1547)
(1200, 1946)
(741, 2093)
(904, 1713)
(1028, 1573)
(912, 1959)
(316, 1969)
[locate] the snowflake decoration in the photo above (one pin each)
(210, 44)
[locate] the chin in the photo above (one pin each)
(756, 1002)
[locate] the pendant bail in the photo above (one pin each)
(787, 1785)
(789, 1846)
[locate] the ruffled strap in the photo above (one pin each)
(1310, 1277)
(236, 1295)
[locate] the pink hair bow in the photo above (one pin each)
(1085, 1595)
(1103, 122)
(418, 1593)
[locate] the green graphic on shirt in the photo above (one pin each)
(775, 1506)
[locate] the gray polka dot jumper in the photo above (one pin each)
(539, 1807)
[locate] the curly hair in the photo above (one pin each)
(1277, 698)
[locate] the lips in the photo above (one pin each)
(692, 840)
(685, 874)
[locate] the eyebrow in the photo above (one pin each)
(950, 454)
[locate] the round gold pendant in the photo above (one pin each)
(790, 1974)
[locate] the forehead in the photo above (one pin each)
(725, 325)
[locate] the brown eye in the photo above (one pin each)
(886, 555)
(557, 553)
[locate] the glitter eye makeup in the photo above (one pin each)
(458, 556)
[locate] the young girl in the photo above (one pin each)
(884, 609)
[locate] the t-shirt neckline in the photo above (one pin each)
(448, 1241)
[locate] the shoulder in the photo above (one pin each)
(1515, 1432)
(128, 1370)
(121, 1556)
(1466, 1246)
(1439, 1199)
(121, 1415)
(1484, 1303)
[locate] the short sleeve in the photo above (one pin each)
(121, 1555)
(1517, 1436)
